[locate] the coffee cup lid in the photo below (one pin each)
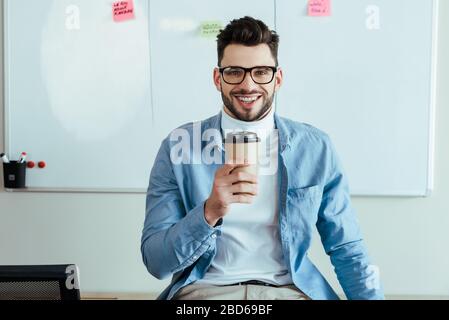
(241, 137)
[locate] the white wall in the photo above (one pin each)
(407, 237)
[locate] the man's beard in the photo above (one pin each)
(246, 117)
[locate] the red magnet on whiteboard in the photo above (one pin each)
(31, 164)
(42, 164)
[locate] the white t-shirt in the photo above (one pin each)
(249, 247)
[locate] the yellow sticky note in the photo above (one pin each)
(209, 29)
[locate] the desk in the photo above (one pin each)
(118, 296)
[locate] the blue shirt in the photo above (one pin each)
(177, 241)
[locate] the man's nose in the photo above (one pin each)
(248, 82)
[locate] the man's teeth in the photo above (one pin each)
(247, 99)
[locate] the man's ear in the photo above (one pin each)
(279, 79)
(217, 79)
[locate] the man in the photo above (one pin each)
(228, 235)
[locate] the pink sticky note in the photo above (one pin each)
(123, 10)
(319, 8)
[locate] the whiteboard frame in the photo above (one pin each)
(432, 115)
(432, 118)
(433, 98)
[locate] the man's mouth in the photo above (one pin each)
(247, 101)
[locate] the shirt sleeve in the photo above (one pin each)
(172, 238)
(341, 237)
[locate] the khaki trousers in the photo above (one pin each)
(239, 292)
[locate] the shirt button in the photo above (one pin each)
(195, 257)
(214, 236)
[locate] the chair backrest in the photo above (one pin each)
(39, 282)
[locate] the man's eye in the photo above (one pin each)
(234, 72)
(261, 72)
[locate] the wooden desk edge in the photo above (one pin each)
(118, 296)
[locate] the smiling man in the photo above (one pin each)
(226, 234)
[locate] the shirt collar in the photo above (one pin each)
(229, 123)
(279, 123)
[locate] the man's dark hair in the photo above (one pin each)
(249, 32)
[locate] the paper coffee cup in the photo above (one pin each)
(243, 148)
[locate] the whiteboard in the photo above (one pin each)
(366, 76)
(81, 95)
(78, 93)
(94, 98)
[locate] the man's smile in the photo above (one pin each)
(247, 101)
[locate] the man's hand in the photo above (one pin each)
(237, 187)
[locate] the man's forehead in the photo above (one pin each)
(247, 56)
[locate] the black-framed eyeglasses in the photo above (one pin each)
(259, 74)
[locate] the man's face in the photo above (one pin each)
(247, 101)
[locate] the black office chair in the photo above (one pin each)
(46, 282)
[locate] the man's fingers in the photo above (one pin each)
(248, 188)
(227, 168)
(242, 177)
(242, 198)
(236, 178)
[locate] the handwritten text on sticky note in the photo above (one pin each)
(123, 10)
(210, 29)
(319, 8)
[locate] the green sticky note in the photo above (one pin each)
(209, 29)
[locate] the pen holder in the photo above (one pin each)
(14, 174)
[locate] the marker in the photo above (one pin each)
(4, 158)
(22, 157)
